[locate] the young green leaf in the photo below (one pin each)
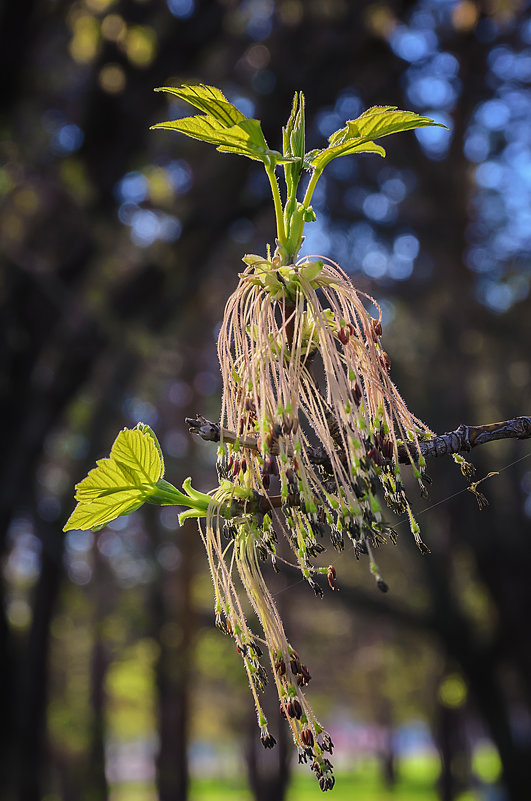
(293, 138)
(119, 484)
(222, 124)
(357, 135)
(208, 99)
(130, 476)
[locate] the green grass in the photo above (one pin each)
(416, 781)
(417, 777)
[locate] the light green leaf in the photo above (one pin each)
(128, 478)
(293, 137)
(148, 430)
(384, 120)
(121, 483)
(202, 127)
(221, 125)
(357, 135)
(100, 511)
(347, 148)
(208, 99)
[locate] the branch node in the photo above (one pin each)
(204, 428)
(464, 437)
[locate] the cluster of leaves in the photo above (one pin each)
(133, 473)
(223, 125)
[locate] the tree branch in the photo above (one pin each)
(463, 439)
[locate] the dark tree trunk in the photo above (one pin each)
(174, 628)
(34, 682)
(269, 770)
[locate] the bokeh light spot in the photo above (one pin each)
(84, 45)
(182, 9)
(141, 45)
(452, 691)
(112, 79)
(114, 28)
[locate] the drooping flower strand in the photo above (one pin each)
(243, 553)
(276, 337)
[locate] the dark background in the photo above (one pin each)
(120, 247)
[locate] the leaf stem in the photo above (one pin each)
(311, 187)
(281, 230)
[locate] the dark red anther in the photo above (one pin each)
(357, 393)
(385, 361)
(295, 666)
(283, 711)
(280, 667)
(244, 465)
(375, 456)
(270, 466)
(288, 423)
(294, 709)
(304, 677)
(343, 335)
(350, 329)
(376, 329)
(332, 576)
(387, 448)
(236, 468)
(307, 737)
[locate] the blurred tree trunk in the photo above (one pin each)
(387, 754)
(34, 677)
(174, 626)
(269, 771)
(95, 784)
(454, 751)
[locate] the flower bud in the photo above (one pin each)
(268, 741)
(375, 456)
(294, 708)
(280, 667)
(376, 329)
(304, 677)
(343, 335)
(385, 361)
(307, 737)
(387, 448)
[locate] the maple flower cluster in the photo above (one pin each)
(302, 363)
